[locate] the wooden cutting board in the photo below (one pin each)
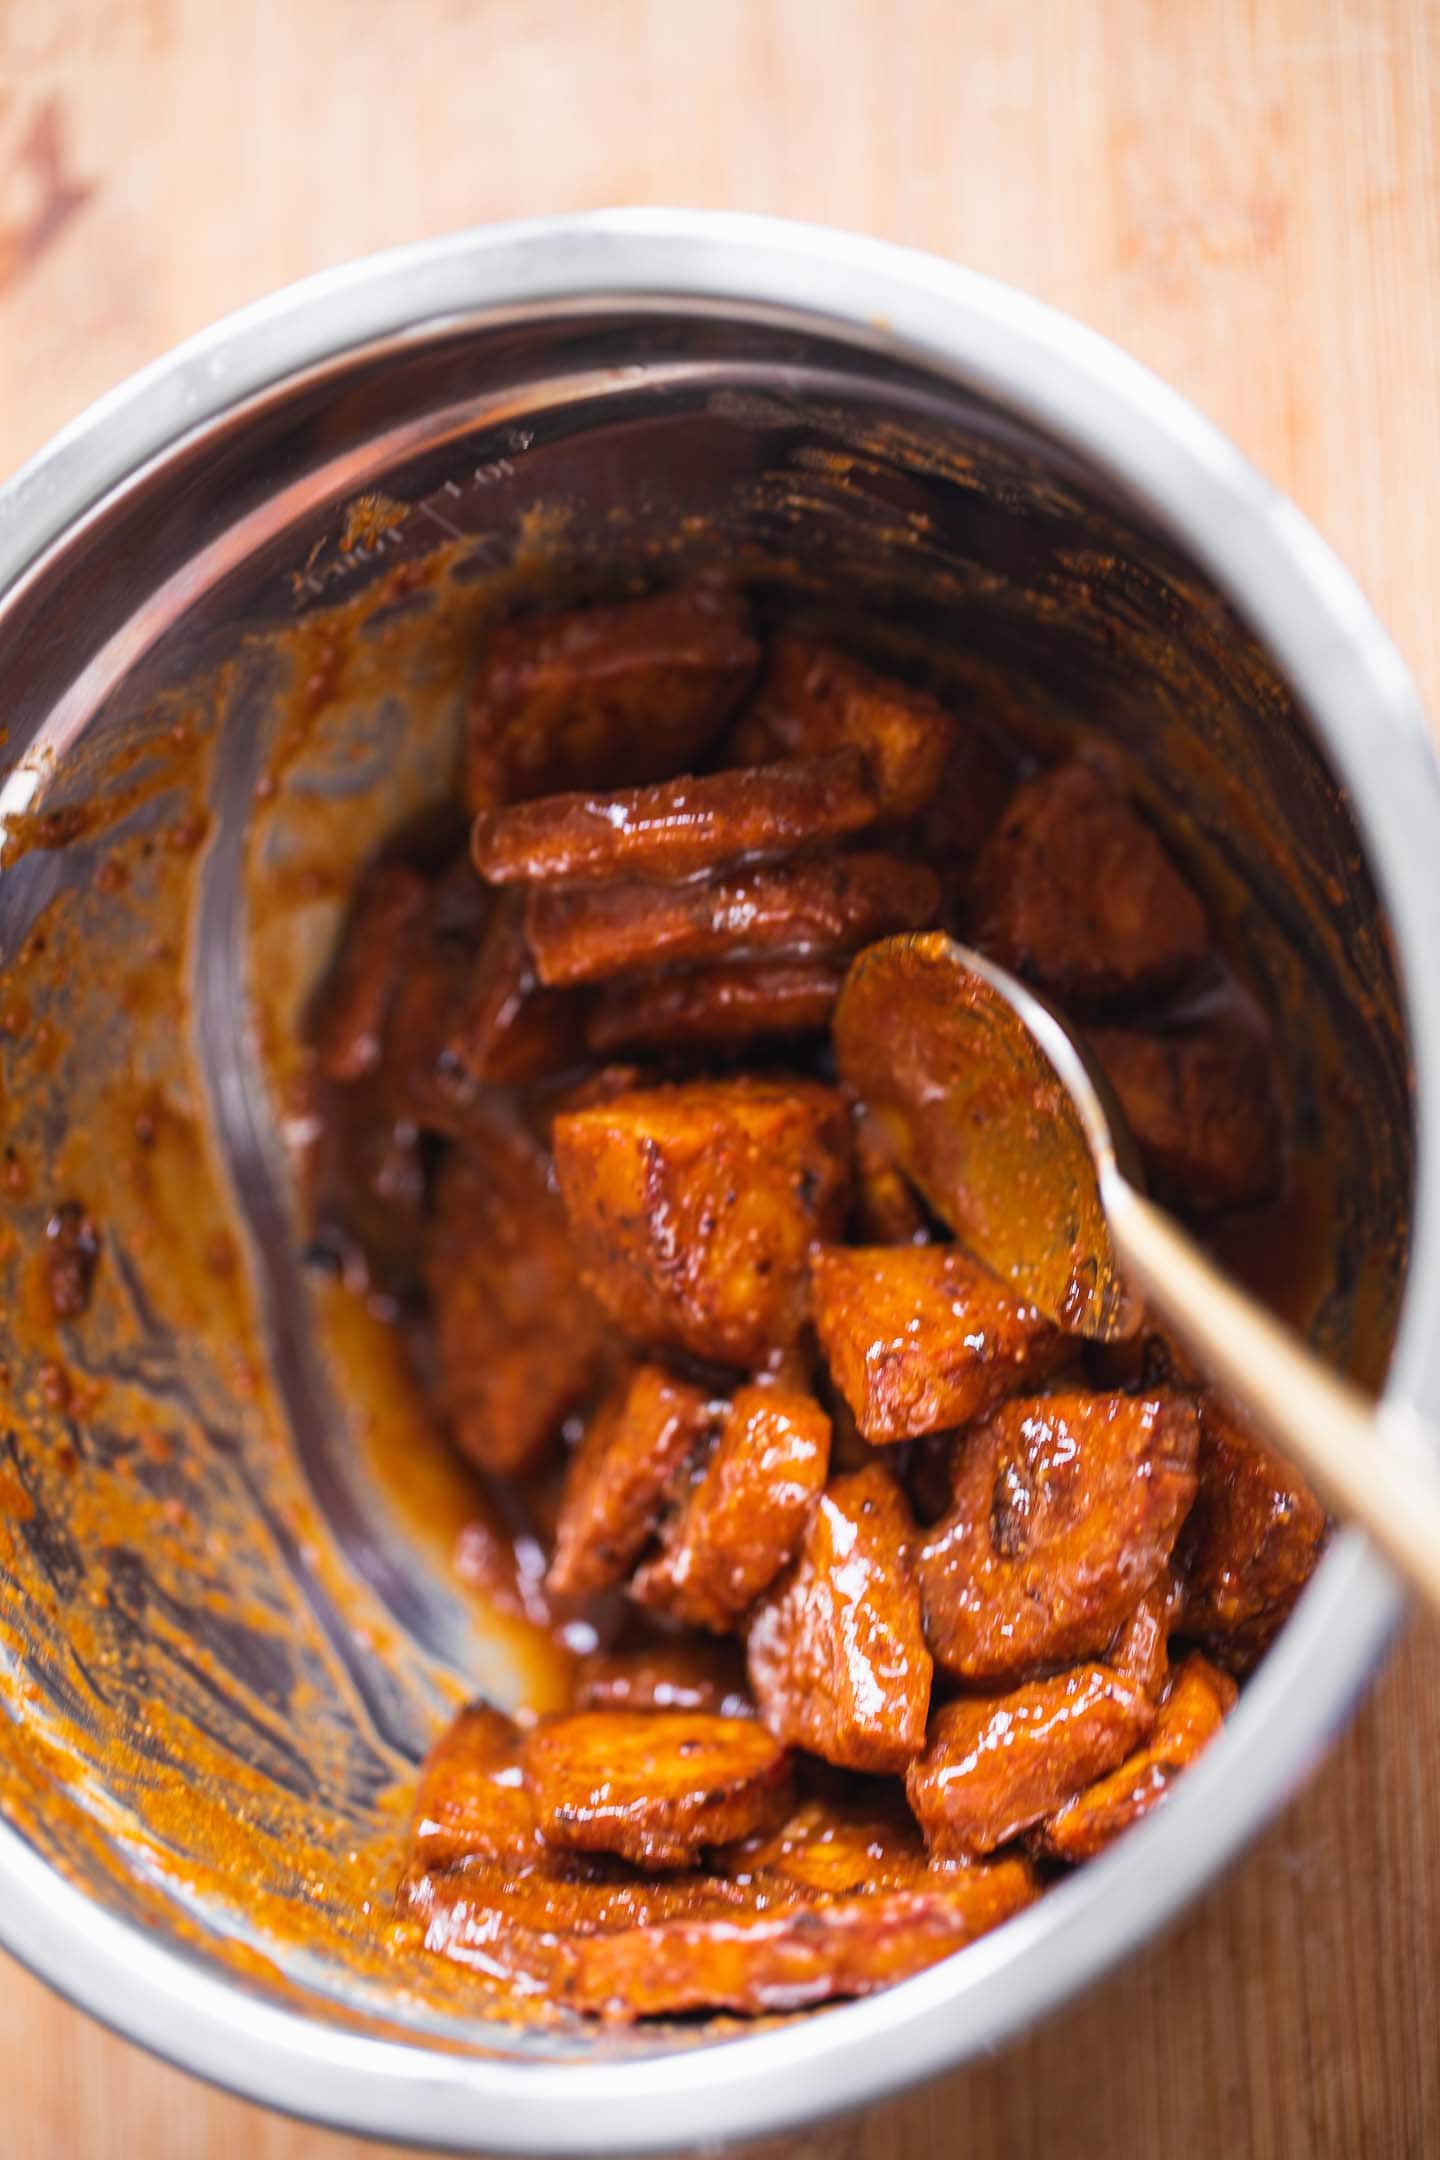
(1243, 192)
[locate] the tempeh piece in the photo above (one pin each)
(721, 1008)
(1203, 1107)
(968, 803)
(1191, 1714)
(674, 1672)
(1141, 1649)
(747, 1514)
(823, 906)
(349, 1018)
(605, 696)
(654, 1787)
(886, 1209)
(521, 1925)
(519, 1340)
(922, 1338)
(634, 1449)
(693, 1210)
(472, 1802)
(794, 1957)
(996, 1764)
(507, 1029)
(1073, 890)
(678, 828)
(1250, 1545)
(850, 1835)
(1067, 1508)
(836, 1656)
(813, 699)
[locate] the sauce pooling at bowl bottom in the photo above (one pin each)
(891, 1599)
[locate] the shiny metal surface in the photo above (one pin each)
(997, 1099)
(662, 365)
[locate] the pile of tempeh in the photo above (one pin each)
(895, 1597)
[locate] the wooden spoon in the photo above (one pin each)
(1017, 1142)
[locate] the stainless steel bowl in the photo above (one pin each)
(562, 406)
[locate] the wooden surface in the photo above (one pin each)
(1247, 196)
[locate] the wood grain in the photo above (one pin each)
(1246, 193)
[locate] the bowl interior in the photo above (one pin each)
(229, 1621)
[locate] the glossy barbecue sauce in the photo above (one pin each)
(891, 1599)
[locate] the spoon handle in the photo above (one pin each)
(1377, 1464)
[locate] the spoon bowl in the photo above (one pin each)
(999, 1116)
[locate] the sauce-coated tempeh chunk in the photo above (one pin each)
(521, 1926)
(1190, 1715)
(813, 699)
(887, 1211)
(1250, 1545)
(723, 1008)
(634, 1451)
(968, 803)
(822, 907)
(747, 1514)
(1141, 1649)
(674, 1672)
(605, 696)
(472, 1801)
(1204, 1111)
(839, 1838)
(793, 1957)
(1067, 1507)
(678, 828)
(996, 1764)
(654, 1787)
(836, 1655)
(1074, 891)
(519, 1340)
(505, 1028)
(693, 1210)
(920, 1338)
